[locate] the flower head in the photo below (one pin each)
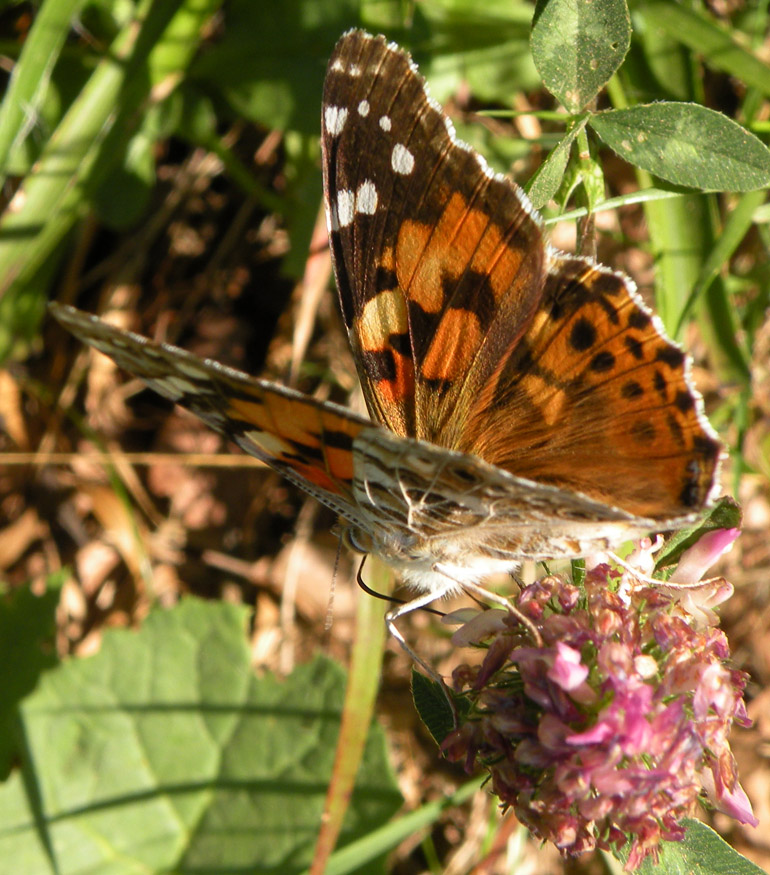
(615, 726)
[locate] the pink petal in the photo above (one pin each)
(696, 561)
(567, 670)
(595, 735)
(481, 626)
(735, 803)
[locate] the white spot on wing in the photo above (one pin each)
(366, 198)
(363, 108)
(355, 70)
(334, 119)
(385, 122)
(338, 66)
(269, 442)
(345, 207)
(402, 160)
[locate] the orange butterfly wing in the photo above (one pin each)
(309, 442)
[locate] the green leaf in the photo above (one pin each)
(432, 705)
(577, 46)
(165, 753)
(726, 514)
(124, 195)
(686, 144)
(702, 852)
(27, 648)
(546, 181)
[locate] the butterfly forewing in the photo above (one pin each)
(439, 262)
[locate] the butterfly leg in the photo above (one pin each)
(488, 595)
(414, 605)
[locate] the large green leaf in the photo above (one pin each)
(702, 852)
(165, 753)
(577, 46)
(687, 144)
(27, 638)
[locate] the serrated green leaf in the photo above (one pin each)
(687, 144)
(577, 45)
(164, 752)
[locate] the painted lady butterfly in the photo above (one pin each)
(526, 403)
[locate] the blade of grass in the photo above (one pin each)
(32, 72)
(683, 234)
(735, 228)
(78, 154)
(357, 854)
(703, 35)
(623, 200)
(363, 682)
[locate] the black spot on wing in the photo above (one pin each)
(670, 355)
(631, 389)
(338, 440)
(379, 364)
(472, 292)
(602, 362)
(684, 401)
(634, 346)
(639, 319)
(583, 335)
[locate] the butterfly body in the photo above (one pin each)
(524, 403)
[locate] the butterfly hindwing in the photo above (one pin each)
(597, 400)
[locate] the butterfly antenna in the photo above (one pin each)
(387, 598)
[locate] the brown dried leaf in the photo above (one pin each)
(16, 538)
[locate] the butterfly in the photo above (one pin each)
(524, 403)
